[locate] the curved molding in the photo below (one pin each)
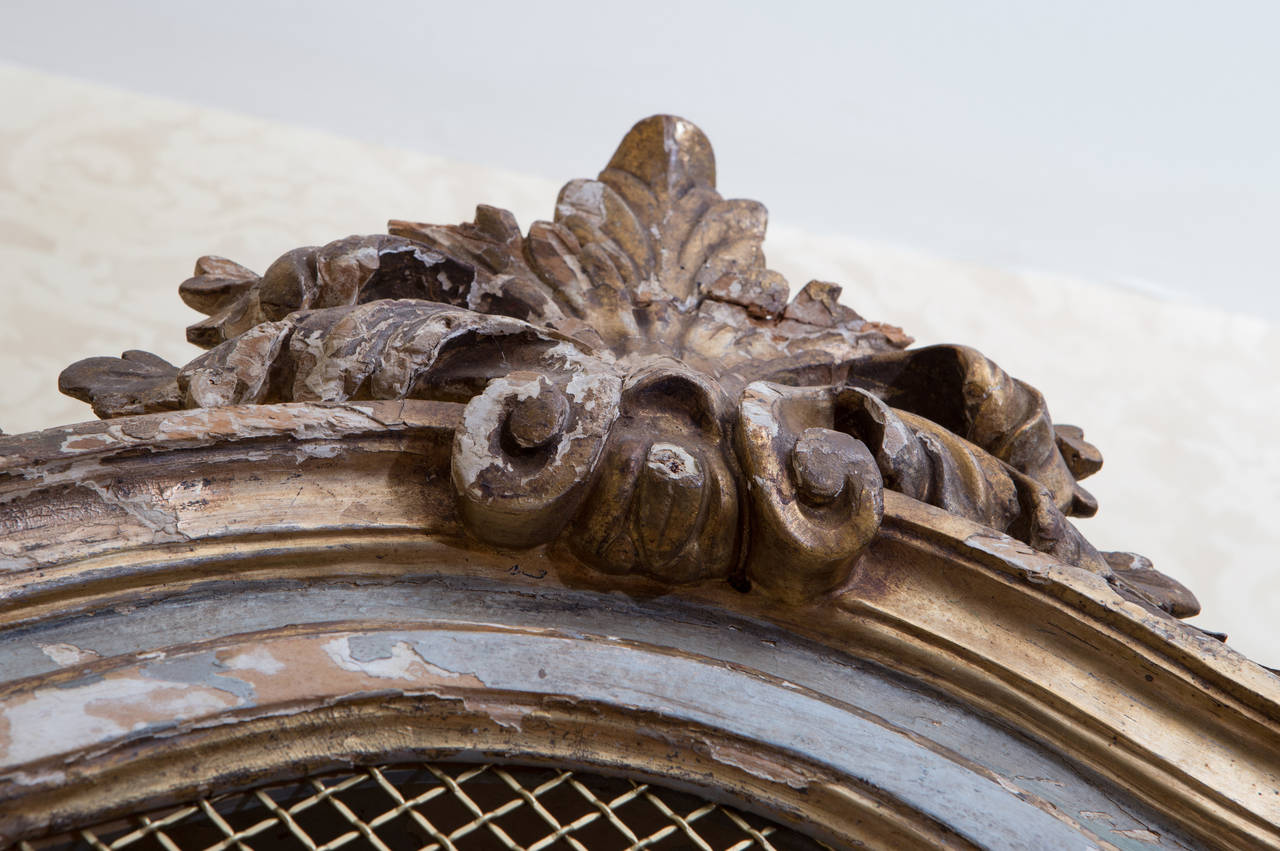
(517, 695)
(132, 518)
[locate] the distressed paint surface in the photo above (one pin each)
(296, 463)
(747, 644)
(193, 689)
(883, 611)
(637, 410)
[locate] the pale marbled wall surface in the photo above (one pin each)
(107, 198)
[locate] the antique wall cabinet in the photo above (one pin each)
(590, 536)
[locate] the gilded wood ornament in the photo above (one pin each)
(640, 389)
(601, 496)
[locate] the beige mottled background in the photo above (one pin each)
(107, 197)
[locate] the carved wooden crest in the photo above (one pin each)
(642, 393)
(602, 498)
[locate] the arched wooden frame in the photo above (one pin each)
(214, 598)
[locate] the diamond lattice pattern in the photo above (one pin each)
(443, 807)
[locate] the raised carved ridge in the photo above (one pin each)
(640, 391)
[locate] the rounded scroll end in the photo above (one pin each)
(527, 446)
(817, 496)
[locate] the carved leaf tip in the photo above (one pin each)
(1139, 576)
(818, 303)
(669, 153)
(217, 282)
(1083, 458)
(137, 382)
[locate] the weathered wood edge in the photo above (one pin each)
(1228, 699)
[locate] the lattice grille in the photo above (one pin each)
(443, 808)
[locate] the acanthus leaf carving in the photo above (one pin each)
(640, 390)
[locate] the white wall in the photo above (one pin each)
(1123, 141)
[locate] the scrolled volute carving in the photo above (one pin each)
(817, 494)
(640, 392)
(527, 446)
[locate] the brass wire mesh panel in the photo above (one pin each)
(442, 807)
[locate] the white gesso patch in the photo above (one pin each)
(483, 414)
(65, 655)
(672, 462)
(258, 659)
(756, 409)
(404, 663)
(566, 357)
(33, 778)
(581, 197)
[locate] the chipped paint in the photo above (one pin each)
(257, 659)
(87, 443)
(171, 689)
(673, 462)
(504, 713)
(147, 508)
(66, 655)
(765, 769)
(519, 501)
(1013, 551)
(35, 778)
(485, 414)
(757, 408)
(99, 711)
(1238, 691)
(401, 662)
(1141, 835)
(189, 690)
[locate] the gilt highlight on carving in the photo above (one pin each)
(639, 389)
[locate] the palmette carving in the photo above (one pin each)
(640, 392)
